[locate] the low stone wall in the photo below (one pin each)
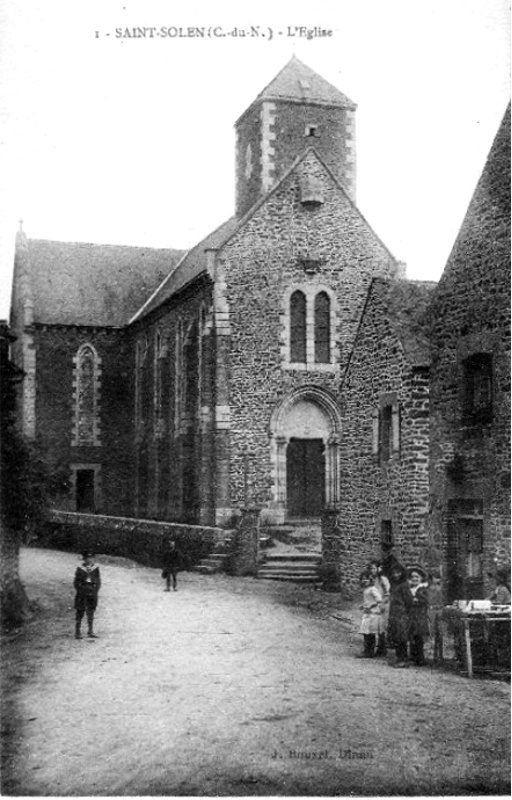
(139, 539)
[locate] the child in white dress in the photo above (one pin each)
(370, 621)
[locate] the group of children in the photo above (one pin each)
(395, 612)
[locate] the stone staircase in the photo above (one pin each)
(295, 555)
(295, 567)
(214, 562)
(288, 552)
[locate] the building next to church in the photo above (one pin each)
(470, 389)
(183, 391)
(384, 466)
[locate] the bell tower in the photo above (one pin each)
(298, 109)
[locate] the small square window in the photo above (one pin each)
(311, 131)
(386, 533)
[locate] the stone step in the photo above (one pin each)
(212, 563)
(292, 569)
(206, 569)
(278, 576)
(306, 558)
(284, 571)
(290, 565)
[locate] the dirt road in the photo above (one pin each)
(229, 687)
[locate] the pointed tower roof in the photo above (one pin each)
(299, 83)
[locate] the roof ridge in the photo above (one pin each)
(102, 244)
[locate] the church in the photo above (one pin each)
(184, 386)
(282, 363)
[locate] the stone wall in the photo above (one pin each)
(470, 314)
(138, 539)
(173, 427)
(272, 134)
(261, 262)
(112, 453)
(379, 495)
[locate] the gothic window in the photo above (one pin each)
(478, 388)
(309, 321)
(140, 357)
(298, 328)
(191, 373)
(178, 361)
(322, 328)
(86, 396)
(158, 376)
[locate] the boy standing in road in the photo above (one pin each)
(87, 585)
(171, 563)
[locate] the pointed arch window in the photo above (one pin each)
(322, 328)
(158, 377)
(86, 386)
(298, 328)
(141, 349)
(178, 370)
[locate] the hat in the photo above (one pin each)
(418, 569)
(87, 554)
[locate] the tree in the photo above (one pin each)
(23, 490)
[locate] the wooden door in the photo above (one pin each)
(305, 477)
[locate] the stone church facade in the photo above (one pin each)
(258, 369)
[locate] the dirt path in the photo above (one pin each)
(229, 687)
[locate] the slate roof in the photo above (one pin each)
(191, 265)
(406, 304)
(297, 82)
(75, 283)
(489, 208)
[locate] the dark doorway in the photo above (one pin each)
(305, 477)
(85, 491)
(465, 550)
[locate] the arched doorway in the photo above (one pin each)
(305, 430)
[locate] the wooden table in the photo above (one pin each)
(463, 625)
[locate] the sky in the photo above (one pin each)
(123, 140)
